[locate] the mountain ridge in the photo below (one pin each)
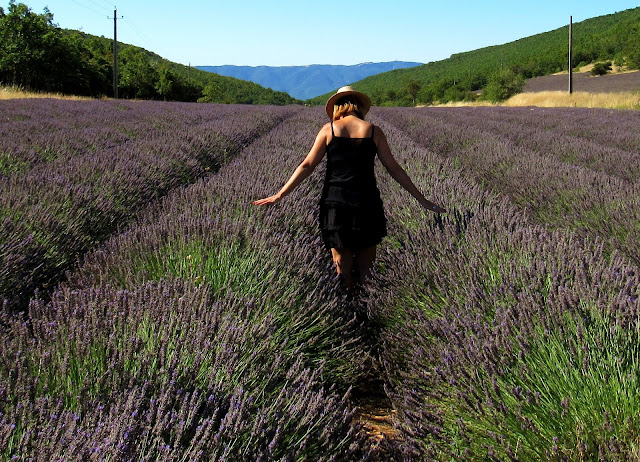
(307, 81)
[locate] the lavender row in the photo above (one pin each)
(35, 131)
(419, 251)
(211, 233)
(57, 210)
(528, 130)
(555, 193)
(161, 373)
(600, 128)
(217, 326)
(505, 341)
(477, 306)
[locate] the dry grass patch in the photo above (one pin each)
(17, 93)
(464, 104)
(621, 100)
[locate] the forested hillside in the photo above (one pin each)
(614, 37)
(38, 55)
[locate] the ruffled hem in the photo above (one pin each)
(348, 227)
(346, 239)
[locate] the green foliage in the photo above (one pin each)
(164, 85)
(412, 89)
(633, 61)
(37, 55)
(34, 53)
(601, 68)
(137, 76)
(581, 385)
(503, 85)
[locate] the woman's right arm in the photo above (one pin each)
(305, 168)
(399, 174)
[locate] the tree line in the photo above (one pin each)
(36, 54)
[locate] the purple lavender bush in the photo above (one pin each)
(506, 341)
(64, 204)
(209, 330)
(163, 372)
(589, 188)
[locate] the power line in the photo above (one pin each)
(109, 4)
(98, 5)
(88, 8)
(144, 39)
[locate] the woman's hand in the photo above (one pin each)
(268, 200)
(431, 207)
(309, 163)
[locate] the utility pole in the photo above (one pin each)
(115, 53)
(570, 54)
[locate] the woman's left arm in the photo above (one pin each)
(307, 166)
(398, 173)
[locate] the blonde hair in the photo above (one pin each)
(344, 107)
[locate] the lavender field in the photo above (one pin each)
(152, 313)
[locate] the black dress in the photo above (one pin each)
(351, 212)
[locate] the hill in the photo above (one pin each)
(613, 37)
(36, 54)
(306, 82)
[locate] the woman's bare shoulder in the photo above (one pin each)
(378, 134)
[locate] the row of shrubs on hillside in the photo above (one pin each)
(37, 55)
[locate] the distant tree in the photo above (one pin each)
(212, 93)
(453, 93)
(503, 85)
(26, 42)
(164, 85)
(183, 90)
(619, 59)
(633, 60)
(412, 89)
(391, 95)
(376, 97)
(440, 88)
(601, 68)
(137, 77)
(426, 95)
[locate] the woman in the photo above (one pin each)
(352, 219)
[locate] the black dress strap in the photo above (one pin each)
(373, 127)
(332, 134)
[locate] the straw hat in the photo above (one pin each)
(363, 100)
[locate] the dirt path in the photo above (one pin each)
(375, 415)
(377, 419)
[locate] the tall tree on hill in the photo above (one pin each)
(503, 85)
(137, 77)
(36, 54)
(412, 88)
(164, 85)
(25, 38)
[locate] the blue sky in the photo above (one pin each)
(301, 32)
